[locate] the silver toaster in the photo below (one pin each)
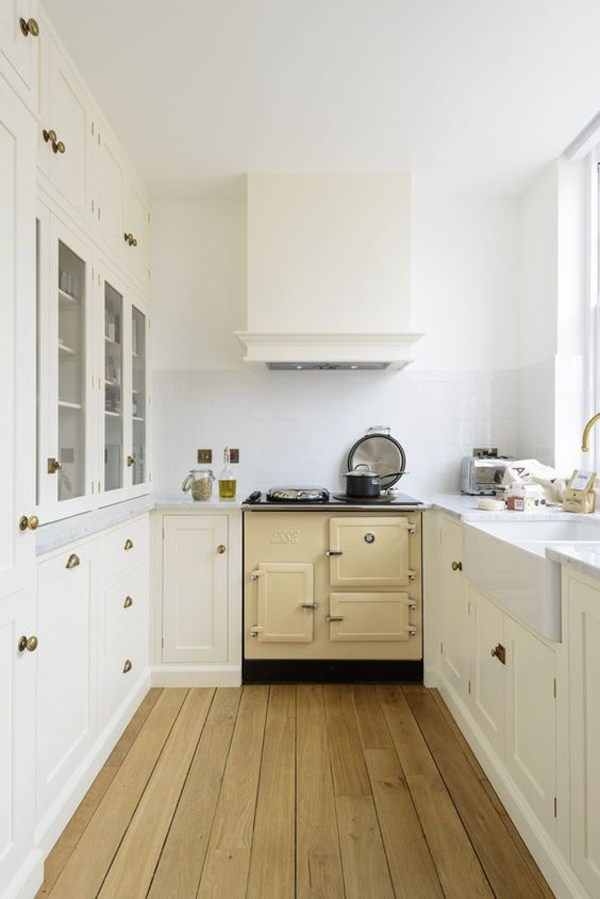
(481, 474)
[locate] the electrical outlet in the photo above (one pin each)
(234, 455)
(204, 456)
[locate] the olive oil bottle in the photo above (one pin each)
(227, 480)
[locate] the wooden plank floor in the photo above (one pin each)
(314, 792)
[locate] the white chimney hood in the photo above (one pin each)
(328, 272)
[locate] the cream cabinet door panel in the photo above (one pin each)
(17, 341)
(19, 50)
(369, 552)
(530, 753)
(67, 688)
(110, 188)
(70, 118)
(371, 617)
(455, 629)
(285, 599)
(487, 670)
(17, 733)
(195, 592)
(583, 603)
(135, 220)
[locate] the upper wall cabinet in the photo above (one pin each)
(19, 48)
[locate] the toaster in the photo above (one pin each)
(481, 474)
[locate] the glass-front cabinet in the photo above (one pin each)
(92, 378)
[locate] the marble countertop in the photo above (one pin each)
(586, 561)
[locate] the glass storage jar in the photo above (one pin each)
(200, 482)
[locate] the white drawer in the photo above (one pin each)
(125, 546)
(124, 603)
(123, 668)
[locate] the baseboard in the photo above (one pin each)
(59, 814)
(196, 675)
(560, 876)
(324, 671)
(28, 879)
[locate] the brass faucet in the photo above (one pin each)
(585, 441)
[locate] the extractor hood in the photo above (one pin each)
(328, 272)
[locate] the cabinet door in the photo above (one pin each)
(109, 194)
(530, 753)
(369, 551)
(69, 117)
(17, 342)
(379, 617)
(17, 733)
(487, 670)
(67, 689)
(18, 47)
(114, 408)
(455, 629)
(285, 599)
(583, 603)
(195, 588)
(136, 225)
(137, 459)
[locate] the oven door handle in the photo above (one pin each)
(309, 605)
(334, 618)
(333, 552)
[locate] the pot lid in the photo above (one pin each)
(382, 454)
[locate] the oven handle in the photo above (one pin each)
(333, 552)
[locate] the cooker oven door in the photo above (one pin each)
(370, 551)
(285, 602)
(372, 617)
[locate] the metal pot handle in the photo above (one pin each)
(187, 483)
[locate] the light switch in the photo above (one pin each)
(204, 456)
(234, 455)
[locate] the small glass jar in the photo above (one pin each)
(200, 482)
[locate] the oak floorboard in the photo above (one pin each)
(82, 876)
(504, 866)
(318, 860)
(372, 726)
(225, 874)
(409, 743)
(272, 861)
(365, 867)
(179, 869)
(129, 735)
(130, 874)
(411, 865)
(479, 772)
(350, 776)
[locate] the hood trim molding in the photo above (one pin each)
(392, 349)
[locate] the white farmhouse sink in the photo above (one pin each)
(507, 561)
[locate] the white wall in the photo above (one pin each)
(329, 248)
(298, 426)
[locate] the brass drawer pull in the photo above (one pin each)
(128, 545)
(27, 643)
(221, 549)
(127, 666)
(334, 618)
(499, 652)
(32, 522)
(457, 566)
(29, 27)
(128, 602)
(73, 561)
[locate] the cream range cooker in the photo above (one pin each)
(332, 589)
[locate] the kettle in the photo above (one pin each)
(200, 482)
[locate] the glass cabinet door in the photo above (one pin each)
(113, 388)
(71, 299)
(138, 396)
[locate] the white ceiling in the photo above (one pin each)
(483, 93)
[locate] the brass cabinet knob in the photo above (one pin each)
(134, 242)
(49, 136)
(128, 602)
(27, 643)
(130, 461)
(221, 549)
(128, 544)
(54, 465)
(499, 652)
(58, 147)
(30, 523)
(29, 27)
(457, 566)
(73, 561)
(127, 666)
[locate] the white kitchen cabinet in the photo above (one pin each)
(488, 662)
(109, 191)
(19, 47)
(195, 588)
(65, 146)
(136, 236)
(17, 488)
(67, 690)
(66, 481)
(582, 601)
(454, 622)
(530, 718)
